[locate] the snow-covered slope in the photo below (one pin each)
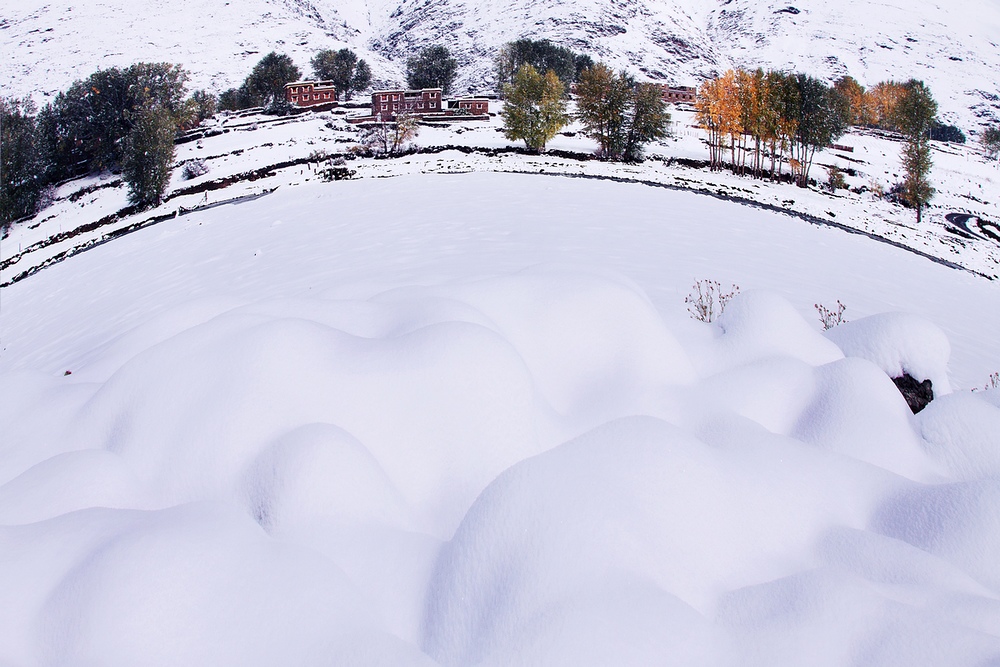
(464, 419)
(953, 46)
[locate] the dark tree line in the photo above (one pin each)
(118, 119)
(543, 56)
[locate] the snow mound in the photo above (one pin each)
(962, 430)
(758, 324)
(528, 468)
(898, 343)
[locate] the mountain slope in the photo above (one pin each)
(953, 47)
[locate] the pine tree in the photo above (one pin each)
(433, 67)
(84, 128)
(534, 110)
(265, 84)
(648, 120)
(343, 68)
(990, 141)
(149, 153)
(821, 120)
(21, 166)
(362, 77)
(543, 55)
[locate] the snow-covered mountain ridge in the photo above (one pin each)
(953, 46)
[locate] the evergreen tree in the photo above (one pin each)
(232, 100)
(821, 120)
(266, 82)
(362, 76)
(648, 119)
(433, 67)
(204, 105)
(990, 141)
(950, 133)
(914, 117)
(22, 170)
(85, 127)
(543, 55)
(582, 62)
(343, 68)
(534, 110)
(149, 153)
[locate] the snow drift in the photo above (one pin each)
(525, 466)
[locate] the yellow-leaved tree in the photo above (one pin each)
(534, 109)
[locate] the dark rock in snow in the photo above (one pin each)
(917, 394)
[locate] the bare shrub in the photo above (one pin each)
(46, 198)
(876, 188)
(337, 174)
(707, 299)
(830, 317)
(194, 169)
(386, 137)
(835, 179)
(992, 384)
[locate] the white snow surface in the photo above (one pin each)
(464, 419)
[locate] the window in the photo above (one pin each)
(384, 98)
(385, 107)
(326, 96)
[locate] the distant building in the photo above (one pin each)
(310, 93)
(475, 106)
(390, 103)
(675, 94)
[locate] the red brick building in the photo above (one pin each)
(675, 94)
(476, 106)
(310, 93)
(390, 103)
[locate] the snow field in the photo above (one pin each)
(400, 433)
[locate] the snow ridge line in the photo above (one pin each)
(746, 201)
(124, 231)
(268, 171)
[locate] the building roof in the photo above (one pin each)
(311, 83)
(405, 92)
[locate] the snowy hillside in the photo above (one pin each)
(465, 419)
(952, 46)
